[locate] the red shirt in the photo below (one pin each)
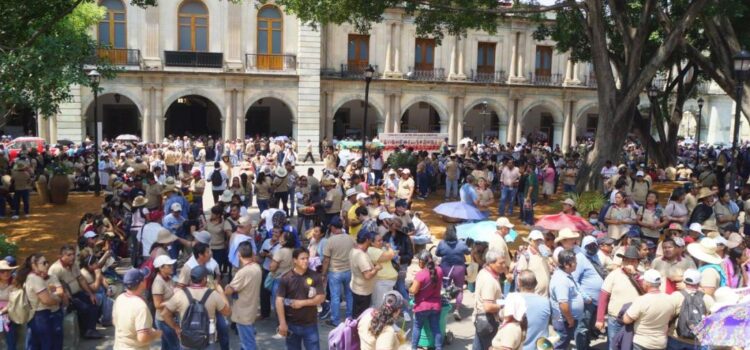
(428, 296)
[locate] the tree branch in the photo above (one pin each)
(45, 28)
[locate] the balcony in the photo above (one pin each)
(436, 74)
(545, 79)
(270, 62)
(117, 57)
(349, 72)
(194, 59)
(591, 80)
(498, 77)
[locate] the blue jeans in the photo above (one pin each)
(262, 204)
(299, 334)
(613, 327)
(584, 327)
(674, 344)
(569, 188)
(247, 336)
(45, 331)
(527, 214)
(451, 187)
(11, 336)
(274, 288)
(507, 197)
(424, 184)
(422, 318)
(566, 333)
(17, 197)
(222, 331)
(337, 280)
(169, 339)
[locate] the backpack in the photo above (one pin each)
(346, 336)
(149, 264)
(216, 178)
(691, 313)
(19, 307)
(195, 323)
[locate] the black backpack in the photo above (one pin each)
(691, 313)
(216, 178)
(195, 323)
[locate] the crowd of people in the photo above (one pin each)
(291, 247)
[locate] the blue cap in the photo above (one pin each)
(11, 260)
(633, 233)
(650, 244)
(401, 203)
(336, 222)
(363, 236)
(135, 276)
(198, 273)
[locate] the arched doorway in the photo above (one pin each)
(350, 117)
(586, 125)
(269, 116)
(481, 122)
(192, 115)
(420, 117)
(541, 125)
(118, 114)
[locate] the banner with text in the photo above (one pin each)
(429, 142)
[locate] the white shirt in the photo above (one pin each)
(212, 265)
(234, 243)
(609, 172)
(267, 215)
(148, 236)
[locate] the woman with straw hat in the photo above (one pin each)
(709, 264)
(704, 212)
(6, 287)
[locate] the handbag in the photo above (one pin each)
(485, 325)
(268, 282)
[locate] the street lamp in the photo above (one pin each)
(741, 67)
(653, 92)
(698, 133)
(369, 72)
(94, 78)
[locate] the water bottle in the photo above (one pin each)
(212, 331)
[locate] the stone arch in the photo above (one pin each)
(538, 127)
(117, 114)
(441, 109)
(349, 121)
(359, 97)
(198, 92)
(581, 127)
(250, 101)
(496, 106)
(557, 111)
(89, 99)
(478, 126)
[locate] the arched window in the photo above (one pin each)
(193, 26)
(112, 28)
(270, 33)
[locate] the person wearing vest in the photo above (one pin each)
(131, 316)
(619, 288)
(651, 314)
(246, 289)
(709, 265)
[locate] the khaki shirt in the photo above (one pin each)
(179, 301)
(405, 188)
(283, 257)
(67, 275)
(338, 249)
(35, 285)
(130, 315)
(487, 289)
(361, 263)
(509, 335)
(652, 313)
(621, 291)
(335, 197)
(246, 283)
(163, 288)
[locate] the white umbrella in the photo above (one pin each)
(281, 138)
(127, 137)
(465, 140)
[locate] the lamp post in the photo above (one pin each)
(94, 78)
(741, 67)
(369, 72)
(653, 92)
(698, 133)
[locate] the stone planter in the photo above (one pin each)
(59, 188)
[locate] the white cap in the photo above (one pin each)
(391, 172)
(385, 216)
(175, 207)
(89, 234)
(691, 277)
(652, 276)
(503, 222)
(696, 227)
(162, 260)
(202, 236)
(406, 171)
(350, 192)
(639, 173)
(244, 220)
(515, 306)
(362, 196)
(536, 235)
(721, 240)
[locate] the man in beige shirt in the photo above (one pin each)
(406, 187)
(363, 274)
(246, 285)
(509, 176)
(532, 259)
(651, 314)
(131, 316)
(487, 293)
(451, 178)
(337, 268)
(619, 288)
(691, 279)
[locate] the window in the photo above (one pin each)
(270, 30)
(358, 51)
(112, 28)
(543, 63)
(193, 26)
(486, 57)
(424, 57)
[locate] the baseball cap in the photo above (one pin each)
(134, 276)
(679, 241)
(175, 207)
(696, 227)
(639, 173)
(198, 273)
(89, 234)
(202, 236)
(245, 220)
(605, 240)
(362, 196)
(691, 277)
(385, 216)
(336, 222)
(536, 235)
(162, 260)
(720, 240)
(652, 276)
(350, 192)
(401, 203)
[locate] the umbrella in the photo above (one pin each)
(459, 210)
(560, 221)
(65, 142)
(482, 231)
(729, 326)
(465, 140)
(127, 137)
(281, 138)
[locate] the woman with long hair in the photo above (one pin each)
(676, 211)
(736, 267)
(46, 296)
(427, 304)
(6, 287)
(385, 279)
(375, 329)
(651, 217)
(282, 261)
(262, 191)
(484, 195)
(453, 253)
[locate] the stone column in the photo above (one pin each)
(388, 113)
(513, 57)
(568, 109)
(519, 121)
(568, 72)
(388, 40)
(396, 106)
(239, 115)
(158, 113)
(397, 52)
(53, 128)
(454, 58)
(518, 75)
(576, 80)
(42, 127)
(459, 118)
(573, 135)
(148, 117)
(452, 120)
(328, 113)
(461, 43)
(151, 52)
(228, 118)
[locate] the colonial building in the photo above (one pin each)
(231, 70)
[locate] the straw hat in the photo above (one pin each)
(165, 237)
(569, 202)
(724, 296)
(168, 189)
(705, 251)
(566, 233)
(704, 192)
(280, 171)
(139, 201)
(4, 266)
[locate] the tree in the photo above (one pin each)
(43, 47)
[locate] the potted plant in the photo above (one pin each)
(59, 183)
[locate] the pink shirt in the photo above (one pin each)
(428, 296)
(549, 175)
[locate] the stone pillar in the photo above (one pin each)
(396, 106)
(158, 113)
(308, 93)
(147, 113)
(568, 110)
(452, 120)
(53, 128)
(329, 113)
(228, 118)
(454, 58)
(459, 118)
(518, 75)
(519, 121)
(233, 37)
(513, 57)
(239, 115)
(573, 135)
(42, 127)
(388, 43)
(397, 52)
(388, 113)
(461, 52)
(568, 72)
(576, 80)
(151, 52)
(511, 131)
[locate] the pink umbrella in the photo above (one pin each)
(560, 221)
